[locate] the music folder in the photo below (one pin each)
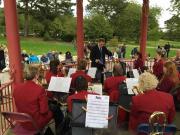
(60, 84)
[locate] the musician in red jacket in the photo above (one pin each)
(170, 79)
(81, 86)
(143, 105)
(111, 84)
(81, 67)
(158, 65)
(31, 98)
(138, 62)
(55, 70)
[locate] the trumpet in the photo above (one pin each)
(136, 90)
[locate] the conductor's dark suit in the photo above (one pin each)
(99, 53)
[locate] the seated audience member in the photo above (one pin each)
(177, 60)
(114, 54)
(25, 57)
(111, 84)
(33, 59)
(68, 57)
(138, 63)
(158, 65)
(44, 59)
(55, 55)
(143, 105)
(81, 86)
(31, 98)
(53, 71)
(61, 57)
(81, 67)
(50, 56)
(170, 78)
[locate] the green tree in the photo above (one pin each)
(173, 24)
(44, 11)
(108, 8)
(56, 28)
(154, 32)
(25, 7)
(97, 26)
(127, 26)
(176, 6)
(173, 28)
(69, 28)
(125, 18)
(2, 21)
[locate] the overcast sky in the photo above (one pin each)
(164, 4)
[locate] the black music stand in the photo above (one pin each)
(79, 116)
(124, 99)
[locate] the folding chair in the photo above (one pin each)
(16, 120)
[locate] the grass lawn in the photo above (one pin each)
(38, 46)
(175, 44)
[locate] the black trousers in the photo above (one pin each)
(100, 76)
(58, 116)
(167, 52)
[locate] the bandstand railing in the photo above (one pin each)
(6, 104)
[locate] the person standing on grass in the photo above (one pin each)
(134, 51)
(123, 51)
(167, 48)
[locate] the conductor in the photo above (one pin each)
(97, 57)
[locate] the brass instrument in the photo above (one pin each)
(154, 121)
(136, 90)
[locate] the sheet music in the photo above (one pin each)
(97, 111)
(97, 88)
(135, 73)
(60, 84)
(71, 71)
(130, 83)
(92, 72)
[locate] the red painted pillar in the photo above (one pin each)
(12, 35)
(79, 32)
(144, 28)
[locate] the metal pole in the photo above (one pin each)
(144, 28)
(12, 35)
(80, 34)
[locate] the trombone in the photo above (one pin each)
(136, 90)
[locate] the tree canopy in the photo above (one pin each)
(173, 24)
(54, 19)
